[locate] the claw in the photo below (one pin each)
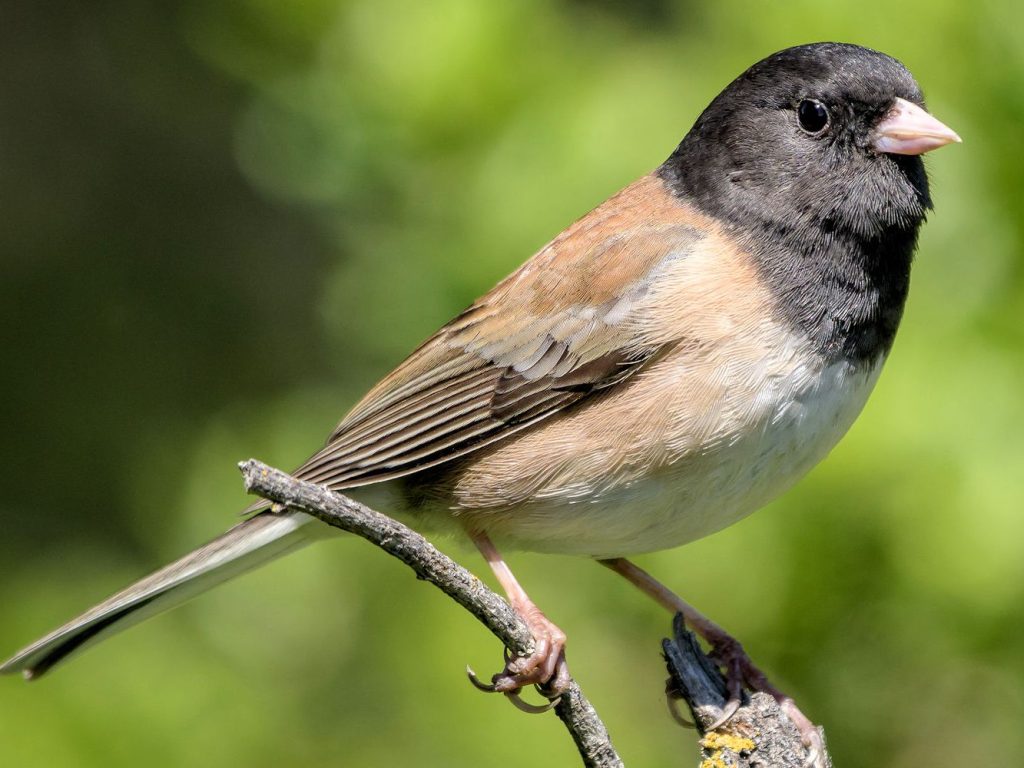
(513, 695)
(809, 733)
(730, 655)
(673, 710)
(527, 707)
(478, 683)
(730, 709)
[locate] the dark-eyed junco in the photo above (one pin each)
(666, 365)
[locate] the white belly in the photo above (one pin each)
(707, 492)
(744, 450)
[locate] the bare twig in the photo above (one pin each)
(759, 734)
(579, 717)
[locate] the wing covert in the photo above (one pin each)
(558, 329)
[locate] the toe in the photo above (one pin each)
(544, 667)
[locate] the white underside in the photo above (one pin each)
(799, 418)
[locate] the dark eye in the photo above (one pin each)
(812, 115)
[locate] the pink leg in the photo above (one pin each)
(727, 651)
(546, 665)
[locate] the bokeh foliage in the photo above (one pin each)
(223, 221)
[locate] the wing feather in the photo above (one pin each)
(560, 328)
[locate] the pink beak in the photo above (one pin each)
(909, 130)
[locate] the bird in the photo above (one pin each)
(668, 364)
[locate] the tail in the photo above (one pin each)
(253, 542)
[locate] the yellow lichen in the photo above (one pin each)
(715, 743)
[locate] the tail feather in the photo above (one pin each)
(253, 542)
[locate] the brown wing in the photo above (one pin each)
(553, 332)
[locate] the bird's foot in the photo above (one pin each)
(726, 650)
(741, 671)
(545, 668)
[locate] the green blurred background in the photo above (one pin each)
(222, 222)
